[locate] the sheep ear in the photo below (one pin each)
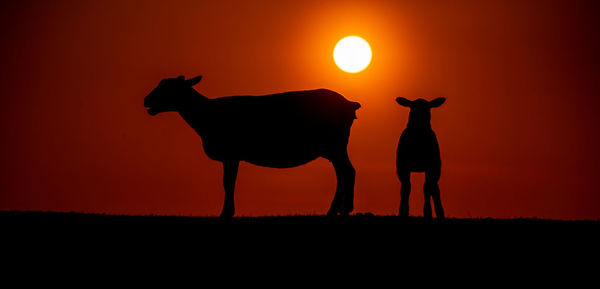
(181, 77)
(194, 81)
(403, 101)
(437, 102)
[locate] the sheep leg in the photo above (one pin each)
(230, 170)
(404, 176)
(432, 189)
(343, 201)
(337, 199)
(427, 206)
(348, 177)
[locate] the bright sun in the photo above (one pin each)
(352, 54)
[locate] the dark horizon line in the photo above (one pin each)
(5, 214)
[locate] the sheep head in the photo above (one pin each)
(420, 110)
(170, 94)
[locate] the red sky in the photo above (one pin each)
(519, 132)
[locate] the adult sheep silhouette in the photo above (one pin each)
(279, 130)
(418, 151)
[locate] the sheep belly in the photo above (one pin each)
(276, 144)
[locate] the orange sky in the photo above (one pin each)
(518, 132)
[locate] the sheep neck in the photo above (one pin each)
(192, 111)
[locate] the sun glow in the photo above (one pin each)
(352, 54)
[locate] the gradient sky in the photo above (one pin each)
(519, 132)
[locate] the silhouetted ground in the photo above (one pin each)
(367, 227)
(357, 241)
(360, 220)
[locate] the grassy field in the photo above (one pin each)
(365, 237)
(58, 218)
(357, 245)
(315, 230)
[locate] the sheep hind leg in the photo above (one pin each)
(404, 177)
(230, 170)
(427, 204)
(343, 201)
(432, 190)
(349, 176)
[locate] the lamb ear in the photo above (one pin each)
(437, 102)
(194, 81)
(181, 77)
(403, 101)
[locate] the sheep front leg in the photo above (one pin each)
(230, 170)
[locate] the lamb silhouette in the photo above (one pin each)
(279, 130)
(418, 151)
